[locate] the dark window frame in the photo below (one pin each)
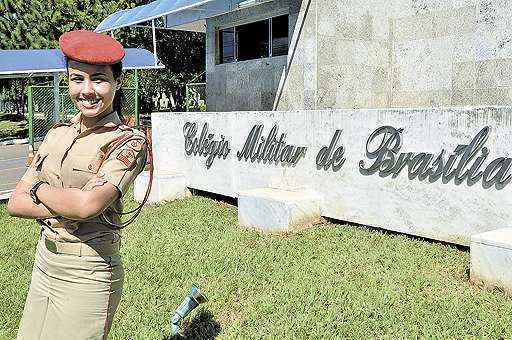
(270, 50)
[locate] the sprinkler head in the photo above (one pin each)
(189, 303)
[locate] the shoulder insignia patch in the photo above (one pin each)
(56, 125)
(127, 156)
(135, 144)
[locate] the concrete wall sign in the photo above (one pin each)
(437, 173)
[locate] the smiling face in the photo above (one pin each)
(92, 88)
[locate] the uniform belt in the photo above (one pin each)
(55, 223)
(82, 249)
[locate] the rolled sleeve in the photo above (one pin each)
(125, 163)
(31, 174)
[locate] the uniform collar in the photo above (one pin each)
(110, 120)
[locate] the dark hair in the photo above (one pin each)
(117, 105)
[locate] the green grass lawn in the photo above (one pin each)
(329, 281)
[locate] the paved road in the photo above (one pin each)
(12, 165)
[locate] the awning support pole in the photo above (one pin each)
(56, 98)
(30, 117)
(154, 40)
(137, 115)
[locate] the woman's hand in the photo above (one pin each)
(62, 222)
(94, 182)
(21, 205)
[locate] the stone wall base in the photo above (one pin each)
(491, 259)
(166, 187)
(277, 210)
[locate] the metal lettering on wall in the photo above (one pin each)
(205, 145)
(270, 148)
(463, 164)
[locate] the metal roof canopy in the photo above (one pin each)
(27, 63)
(51, 62)
(187, 15)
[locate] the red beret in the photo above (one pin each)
(91, 47)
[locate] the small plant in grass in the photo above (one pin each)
(12, 129)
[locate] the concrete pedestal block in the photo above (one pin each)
(166, 187)
(491, 258)
(276, 209)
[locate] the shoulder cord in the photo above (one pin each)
(147, 160)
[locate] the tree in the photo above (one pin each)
(182, 53)
(39, 23)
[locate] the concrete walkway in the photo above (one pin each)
(12, 167)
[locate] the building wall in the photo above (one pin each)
(246, 85)
(399, 53)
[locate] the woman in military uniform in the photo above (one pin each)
(74, 189)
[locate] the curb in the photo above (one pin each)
(15, 141)
(5, 195)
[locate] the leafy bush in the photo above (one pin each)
(12, 129)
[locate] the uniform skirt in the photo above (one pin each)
(71, 297)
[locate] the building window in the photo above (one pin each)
(252, 40)
(227, 45)
(280, 35)
(260, 39)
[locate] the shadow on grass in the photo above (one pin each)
(217, 197)
(201, 326)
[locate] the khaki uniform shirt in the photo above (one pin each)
(69, 159)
